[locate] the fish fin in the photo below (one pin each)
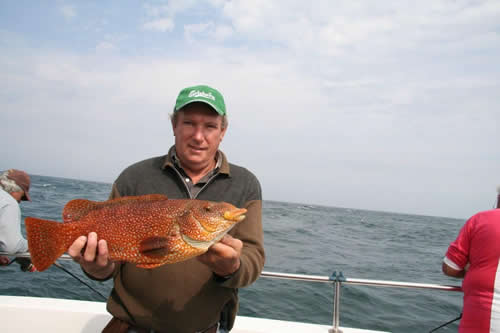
(154, 247)
(78, 208)
(149, 266)
(47, 241)
(145, 197)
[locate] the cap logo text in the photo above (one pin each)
(197, 93)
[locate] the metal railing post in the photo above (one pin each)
(336, 302)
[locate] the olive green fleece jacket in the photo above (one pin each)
(186, 296)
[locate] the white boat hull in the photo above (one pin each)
(27, 314)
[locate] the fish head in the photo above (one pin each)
(217, 216)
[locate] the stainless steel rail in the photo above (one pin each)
(378, 283)
(338, 280)
(334, 279)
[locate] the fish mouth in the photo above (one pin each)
(235, 214)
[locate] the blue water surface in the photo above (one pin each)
(303, 239)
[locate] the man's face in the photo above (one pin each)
(17, 195)
(198, 133)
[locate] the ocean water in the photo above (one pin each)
(302, 239)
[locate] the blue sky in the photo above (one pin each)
(389, 105)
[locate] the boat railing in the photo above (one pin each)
(336, 280)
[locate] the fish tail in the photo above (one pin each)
(47, 241)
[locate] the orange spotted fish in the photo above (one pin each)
(148, 230)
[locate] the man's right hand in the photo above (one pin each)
(92, 254)
(4, 261)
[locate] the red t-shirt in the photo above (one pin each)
(478, 244)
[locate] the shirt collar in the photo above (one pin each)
(218, 161)
(171, 160)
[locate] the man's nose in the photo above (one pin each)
(198, 133)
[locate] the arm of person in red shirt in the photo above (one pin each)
(447, 270)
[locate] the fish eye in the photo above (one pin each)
(208, 208)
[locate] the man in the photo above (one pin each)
(475, 256)
(14, 188)
(199, 294)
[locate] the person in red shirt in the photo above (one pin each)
(474, 256)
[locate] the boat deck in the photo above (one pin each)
(26, 314)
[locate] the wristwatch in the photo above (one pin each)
(222, 279)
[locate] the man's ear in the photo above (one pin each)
(173, 123)
(223, 132)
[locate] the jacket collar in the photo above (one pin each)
(221, 161)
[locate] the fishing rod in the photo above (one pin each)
(28, 255)
(63, 257)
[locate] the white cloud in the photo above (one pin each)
(68, 11)
(379, 100)
(163, 24)
(105, 46)
(162, 17)
(207, 32)
(330, 29)
(223, 32)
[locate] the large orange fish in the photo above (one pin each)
(148, 230)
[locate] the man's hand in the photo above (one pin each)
(223, 257)
(25, 264)
(450, 271)
(92, 255)
(4, 261)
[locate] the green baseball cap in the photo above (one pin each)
(203, 94)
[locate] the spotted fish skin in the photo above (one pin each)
(148, 230)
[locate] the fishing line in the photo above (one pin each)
(63, 257)
(10, 262)
(451, 321)
(79, 280)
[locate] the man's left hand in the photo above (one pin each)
(223, 257)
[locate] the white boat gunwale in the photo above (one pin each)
(95, 316)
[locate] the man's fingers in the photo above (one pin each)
(219, 249)
(91, 248)
(75, 250)
(227, 239)
(227, 247)
(235, 243)
(102, 253)
(223, 257)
